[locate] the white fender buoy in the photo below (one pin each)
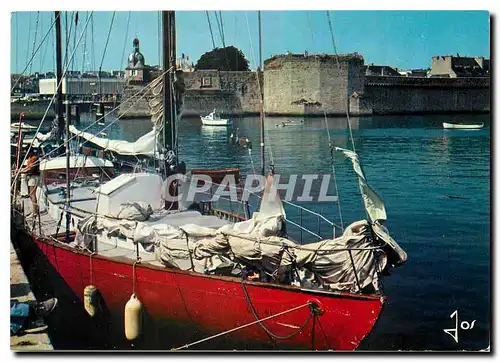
(133, 318)
(90, 294)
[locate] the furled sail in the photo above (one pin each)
(144, 146)
(271, 204)
(148, 144)
(374, 205)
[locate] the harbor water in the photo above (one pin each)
(436, 187)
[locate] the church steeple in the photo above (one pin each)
(136, 59)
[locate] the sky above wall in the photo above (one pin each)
(402, 39)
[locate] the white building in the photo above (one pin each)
(83, 86)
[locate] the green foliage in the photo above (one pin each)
(228, 58)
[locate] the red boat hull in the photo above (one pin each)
(181, 307)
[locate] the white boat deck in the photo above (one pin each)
(84, 203)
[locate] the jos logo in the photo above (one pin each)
(453, 332)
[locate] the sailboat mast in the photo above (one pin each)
(59, 109)
(260, 42)
(67, 120)
(169, 112)
(173, 60)
(261, 107)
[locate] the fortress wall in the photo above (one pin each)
(291, 78)
(390, 95)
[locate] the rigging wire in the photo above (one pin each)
(309, 23)
(271, 156)
(210, 27)
(92, 37)
(68, 35)
(221, 32)
(36, 51)
(143, 90)
(16, 16)
(125, 41)
(332, 162)
(330, 144)
(213, 41)
(34, 38)
(338, 67)
(74, 40)
(52, 42)
(45, 114)
(222, 28)
(29, 37)
(159, 37)
(42, 59)
(84, 45)
(105, 48)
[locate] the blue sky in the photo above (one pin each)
(403, 39)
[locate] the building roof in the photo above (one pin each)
(467, 66)
(380, 70)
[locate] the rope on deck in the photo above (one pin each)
(308, 304)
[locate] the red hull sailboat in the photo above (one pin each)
(211, 304)
(333, 305)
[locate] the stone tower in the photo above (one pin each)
(297, 84)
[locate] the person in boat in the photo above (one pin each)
(32, 172)
(26, 317)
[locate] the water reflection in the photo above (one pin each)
(435, 185)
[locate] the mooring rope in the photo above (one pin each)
(91, 268)
(308, 304)
(138, 261)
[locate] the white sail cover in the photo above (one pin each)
(204, 243)
(374, 205)
(271, 204)
(145, 145)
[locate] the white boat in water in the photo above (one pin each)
(462, 125)
(213, 119)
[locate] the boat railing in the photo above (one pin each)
(349, 251)
(298, 218)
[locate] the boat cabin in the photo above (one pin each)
(54, 170)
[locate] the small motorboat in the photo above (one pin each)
(213, 119)
(448, 125)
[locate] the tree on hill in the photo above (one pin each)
(228, 58)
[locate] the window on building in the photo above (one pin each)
(206, 82)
